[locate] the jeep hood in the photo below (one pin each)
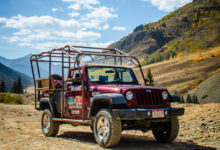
(116, 88)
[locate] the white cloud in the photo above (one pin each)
(3, 19)
(105, 27)
(167, 5)
(46, 32)
(51, 45)
(23, 32)
(88, 7)
(103, 45)
(47, 45)
(44, 46)
(14, 39)
(57, 35)
(74, 14)
(94, 24)
(83, 2)
(47, 23)
(78, 36)
(119, 28)
(24, 44)
(97, 16)
(75, 6)
(102, 13)
(54, 9)
(36, 30)
(57, 9)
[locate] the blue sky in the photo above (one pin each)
(33, 26)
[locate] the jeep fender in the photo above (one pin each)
(106, 100)
(174, 98)
(45, 103)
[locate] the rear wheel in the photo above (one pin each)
(49, 127)
(169, 132)
(107, 129)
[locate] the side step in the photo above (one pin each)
(74, 121)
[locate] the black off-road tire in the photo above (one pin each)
(169, 132)
(114, 132)
(53, 126)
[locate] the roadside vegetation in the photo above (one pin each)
(16, 88)
(8, 98)
(190, 99)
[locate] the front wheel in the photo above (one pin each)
(168, 132)
(107, 129)
(49, 127)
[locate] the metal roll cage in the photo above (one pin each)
(72, 54)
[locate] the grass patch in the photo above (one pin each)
(10, 99)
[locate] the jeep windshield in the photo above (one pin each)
(98, 74)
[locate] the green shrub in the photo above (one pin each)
(189, 99)
(10, 99)
(182, 99)
(195, 99)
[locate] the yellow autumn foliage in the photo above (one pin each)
(216, 53)
(198, 59)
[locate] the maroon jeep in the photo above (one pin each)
(98, 87)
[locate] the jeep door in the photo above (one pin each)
(74, 96)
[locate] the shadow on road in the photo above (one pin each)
(130, 142)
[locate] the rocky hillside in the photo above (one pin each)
(195, 74)
(191, 28)
(10, 75)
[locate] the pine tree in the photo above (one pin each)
(2, 86)
(195, 99)
(150, 78)
(13, 88)
(182, 99)
(19, 87)
(189, 99)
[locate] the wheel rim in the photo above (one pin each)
(103, 128)
(46, 123)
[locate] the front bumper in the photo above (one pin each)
(145, 114)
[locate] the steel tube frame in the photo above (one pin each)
(72, 53)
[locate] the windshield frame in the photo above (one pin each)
(98, 82)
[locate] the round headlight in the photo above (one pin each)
(165, 95)
(129, 95)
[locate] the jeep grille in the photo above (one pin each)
(149, 98)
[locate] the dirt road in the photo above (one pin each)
(20, 129)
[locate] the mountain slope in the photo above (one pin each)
(193, 27)
(10, 75)
(189, 75)
(208, 90)
(23, 65)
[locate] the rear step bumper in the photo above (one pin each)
(146, 114)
